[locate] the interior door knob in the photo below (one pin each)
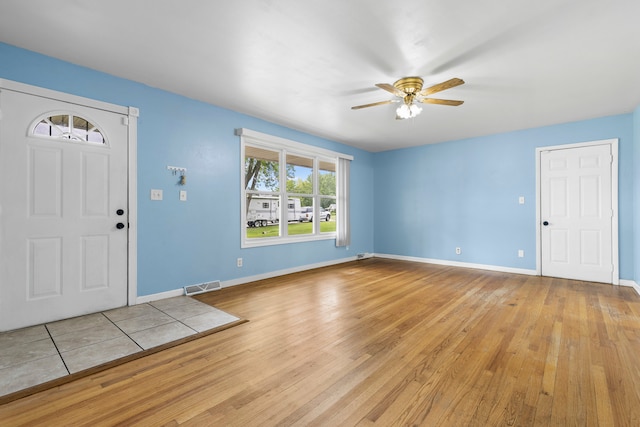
(119, 226)
(120, 212)
(545, 223)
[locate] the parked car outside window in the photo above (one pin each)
(306, 214)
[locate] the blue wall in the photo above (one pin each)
(182, 243)
(427, 200)
(434, 198)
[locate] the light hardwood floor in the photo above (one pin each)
(380, 342)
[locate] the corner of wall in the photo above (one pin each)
(631, 284)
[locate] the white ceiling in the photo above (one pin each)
(303, 64)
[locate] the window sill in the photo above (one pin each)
(271, 241)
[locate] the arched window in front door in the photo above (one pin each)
(68, 126)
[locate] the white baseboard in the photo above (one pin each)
(460, 264)
(631, 284)
(227, 283)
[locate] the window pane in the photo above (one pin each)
(294, 209)
(94, 135)
(327, 215)
(301, 218)
(61, 122)
(300, 174)
(85, 131)
(327, 177)
(261, 169)
(55, 126)
(328, 165)
(300, 181)
(81, 124)
(43, 128)
(263, 213)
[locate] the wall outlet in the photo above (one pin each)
(239, 262)
(521, 200)
(458, 251)
(156, 194)
(520, 253)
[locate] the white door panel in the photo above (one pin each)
(61, 254)
(576, 212)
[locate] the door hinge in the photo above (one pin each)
(125, 121)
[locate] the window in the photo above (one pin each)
(69, 127)
(289, 191)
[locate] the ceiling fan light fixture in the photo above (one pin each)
(407, 111)
(410, 90)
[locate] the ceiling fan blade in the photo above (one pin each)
(357, 107)
(440, 101)
(391, 88)
(442, 86)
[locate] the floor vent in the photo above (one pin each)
(202, 287)
(363, 256)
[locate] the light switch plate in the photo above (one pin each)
(183, 195)
(156, 194)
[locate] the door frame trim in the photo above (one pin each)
(613, 143)
(131, 116)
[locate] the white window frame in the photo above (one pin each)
(284, 147)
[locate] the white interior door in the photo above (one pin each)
(63, 194)
(577, 213)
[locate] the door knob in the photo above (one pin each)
(120, 212)
(119, 226)
(545, 223)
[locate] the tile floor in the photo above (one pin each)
(38, 354)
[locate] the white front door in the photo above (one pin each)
(63, 209)
(576, 213)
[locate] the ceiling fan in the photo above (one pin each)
(410, 90)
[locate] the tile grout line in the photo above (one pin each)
(120, 329)
(177, 320)
(151, 327)
(53, 341)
